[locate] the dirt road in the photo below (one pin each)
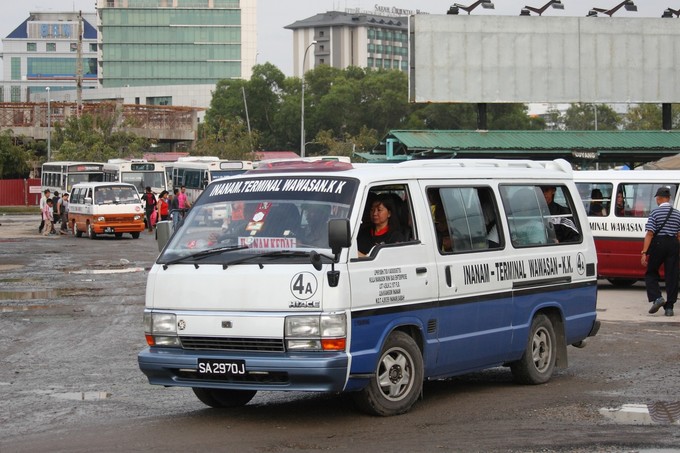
(71, 327)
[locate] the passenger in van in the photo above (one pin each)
(316, 229)
(565, 229)
(596, 206)
(384, 227)
(527, 226)
(444, 242)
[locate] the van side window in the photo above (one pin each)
(464, 219)
(639, 199)
(539, 215)
(400, 227)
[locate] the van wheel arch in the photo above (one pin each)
(397, 381)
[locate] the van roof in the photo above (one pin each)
(102, 184)
(626, 175)
(431, 168)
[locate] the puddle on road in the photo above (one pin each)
(82, 396)
(108, 271)
(659, 412)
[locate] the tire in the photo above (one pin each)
(118, 235)
(622, 282)
(538, 361)
(220, 398)
(76, 232)
(90, 232)
(398, 379)
(135, 235)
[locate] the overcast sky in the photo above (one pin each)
(275, 43)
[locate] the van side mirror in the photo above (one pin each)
(88, 200)
(339, 235)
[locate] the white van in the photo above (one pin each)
(618, 203)
(280, 299)
(105, 208)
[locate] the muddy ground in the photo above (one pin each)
(71, 326)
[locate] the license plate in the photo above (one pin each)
(109, 230)
(221, 368)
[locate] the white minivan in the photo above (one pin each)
(307, 287)
(99, 208)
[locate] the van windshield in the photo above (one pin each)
(260, 215)
(116, 195)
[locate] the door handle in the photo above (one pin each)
(421, 270)
(447, 273)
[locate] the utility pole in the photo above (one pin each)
(79, 67)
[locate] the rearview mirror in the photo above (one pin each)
(339, 235)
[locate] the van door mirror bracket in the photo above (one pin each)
(333, 275)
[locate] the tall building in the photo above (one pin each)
(44, 52)
(175, 42)
(354, 38)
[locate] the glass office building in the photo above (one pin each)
(175, 42)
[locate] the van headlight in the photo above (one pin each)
(323, 332)
(160, 329)
(101, 219)
(138, 217)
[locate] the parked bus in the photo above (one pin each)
(618, 203)
(61, 176)
(138, 172)
(303, 292)
(195, 173)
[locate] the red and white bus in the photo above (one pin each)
(619, 226)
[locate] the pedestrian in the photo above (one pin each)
(63, 209)
(56, 215)
(174, 209)
(43, 202)
(149, 206)
(183, 200)
(48, 217)
(163, 206)
(660, 246)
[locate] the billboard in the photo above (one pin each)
(526, 59)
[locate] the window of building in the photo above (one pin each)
(322, 61)
(371, 48)
(93, 47)
(16, 68)
(321, 33)
(2, 93)
(369, 62)
(15, 94)
(388, 50)
(404, 65)
(371, 33)
(378, 62)
(74, 47)
(31, 47)
(159, 100)
(322, 48)
(51, 47)
(379, 48)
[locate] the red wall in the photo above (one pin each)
(16, 192)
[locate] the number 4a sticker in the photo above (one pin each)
(303, 285)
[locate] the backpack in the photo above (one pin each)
(150, 199)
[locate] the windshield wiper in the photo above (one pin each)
(204, 254)
(274, 254)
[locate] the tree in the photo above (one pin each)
(230, 141)
(581, 117)
(14, 158)
(94, 137)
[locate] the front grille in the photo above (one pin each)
(233, 344)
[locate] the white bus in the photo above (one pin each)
(61, 176)
(195, 173)
(138, 172)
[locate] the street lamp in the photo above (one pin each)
(49, 126)
(557, 4)
(485, 4)
(627, 4)
(302, 105)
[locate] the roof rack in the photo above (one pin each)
(554, 165)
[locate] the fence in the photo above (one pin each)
(20, 192)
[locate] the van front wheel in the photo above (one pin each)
(76, 232)
(538, 361)
(221, 398)
(398, 378)
(90, 232)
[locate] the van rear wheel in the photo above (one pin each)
(538, 361)
(135, 235)
(76, 232)
(221, 398)
(398, 378)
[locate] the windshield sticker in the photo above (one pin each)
(279, 185)
(267, 243)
